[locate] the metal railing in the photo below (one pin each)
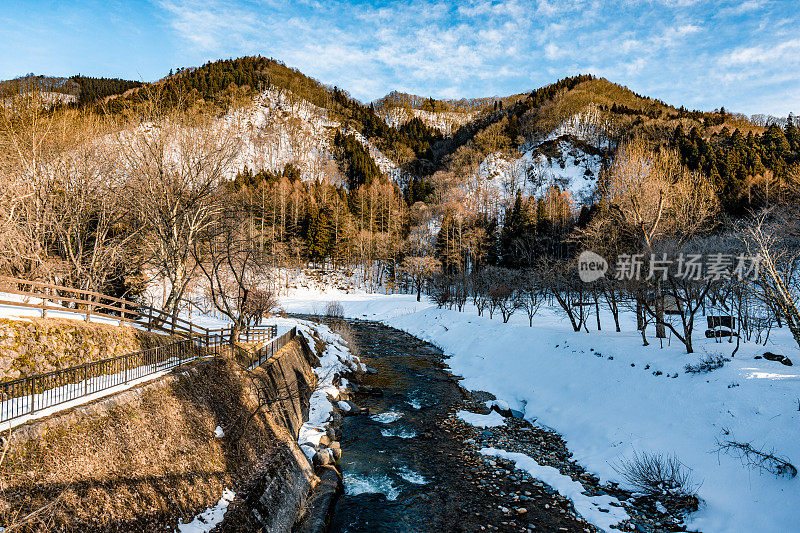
(26, 396)
(253, 360)
(249, 334)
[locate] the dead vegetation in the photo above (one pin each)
(143, 459)
(760, 459)
(660, 476)
(34, 345)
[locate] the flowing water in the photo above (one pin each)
(408, 467)
(395, 472)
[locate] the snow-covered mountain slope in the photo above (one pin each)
(445, 121)
(278, 129)
(568, 158)
(386, 165)
(565, 162)
(47, 99)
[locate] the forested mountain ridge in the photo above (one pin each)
(78, 90)
(458, 135)
(504, 181)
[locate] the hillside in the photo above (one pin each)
(76, 90)
(458, 134)
(554, 141)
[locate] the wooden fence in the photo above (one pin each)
(30, 394)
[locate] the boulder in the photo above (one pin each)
(323, 457)
(333, 433)
(336, 450)
(348, 408)
(769, 356)
(321, 502)
(376, 392)
(502, 407)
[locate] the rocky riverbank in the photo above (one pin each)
(411, 464)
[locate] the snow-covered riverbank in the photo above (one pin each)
(610, 397)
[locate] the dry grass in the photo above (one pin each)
(37, 345)
(347, 334)
(141, 465)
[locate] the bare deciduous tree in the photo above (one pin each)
(420, 270)
(235, 269)
(531, 293)
(175, 164)
(774, 236)
(652, 197)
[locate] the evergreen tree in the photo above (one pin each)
(319, 238)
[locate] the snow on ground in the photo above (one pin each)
(13, 312)
(491, 420)
(208, 519)
(336, 360)
(610, 397)
(601, 511)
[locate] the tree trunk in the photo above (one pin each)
(661, 331)
(640, 325)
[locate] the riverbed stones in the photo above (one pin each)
(336, 449)
(323, 457)
(548, 448)
(333, 433)
(464, 492)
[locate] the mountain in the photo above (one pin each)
(75, 90)
(561, 135)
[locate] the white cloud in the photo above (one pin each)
(785, 52)
(446, 48)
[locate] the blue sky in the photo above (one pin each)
(741, 55)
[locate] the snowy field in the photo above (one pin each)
(610, 397)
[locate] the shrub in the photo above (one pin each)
(334, 310)
(658, 475)
(768, 461)
(707, 364)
